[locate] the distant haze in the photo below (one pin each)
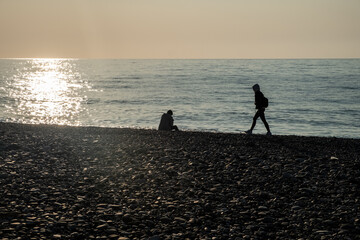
(180, 28)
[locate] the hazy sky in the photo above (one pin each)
(180, 28)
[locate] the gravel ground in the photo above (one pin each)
(100, 183)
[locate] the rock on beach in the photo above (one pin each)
(61, 182)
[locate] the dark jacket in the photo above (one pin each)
(259, 100)
(166, 122)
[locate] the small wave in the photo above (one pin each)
(123, 102)
(116, 102)
(116, 87)
(348, 87)
(93, 101)
(127, 78)
(7, 99)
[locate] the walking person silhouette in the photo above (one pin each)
(261, 102)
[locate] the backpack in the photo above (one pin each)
(265, 102)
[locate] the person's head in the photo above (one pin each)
(256, 87)
(170, 112)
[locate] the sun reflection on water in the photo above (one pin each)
(48, 91)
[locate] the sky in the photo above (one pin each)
(180, 29)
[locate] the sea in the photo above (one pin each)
(307, 97)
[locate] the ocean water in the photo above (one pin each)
(306, 97)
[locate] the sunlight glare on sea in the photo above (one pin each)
(47, 91)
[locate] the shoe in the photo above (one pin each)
(268, 134)
(248, 132)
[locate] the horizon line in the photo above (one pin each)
(100, 58)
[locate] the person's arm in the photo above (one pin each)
(171, 122)
(257, 99)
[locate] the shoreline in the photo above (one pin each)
(105, 128)
(66, 182)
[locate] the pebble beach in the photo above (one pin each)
(60, 182)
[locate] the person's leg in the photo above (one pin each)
(262, 116)
(175, 128)
(256, 116)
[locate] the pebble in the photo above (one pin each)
(295, 208)
(56, 182)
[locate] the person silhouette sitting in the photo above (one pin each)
(261, 104)
(167, 122)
